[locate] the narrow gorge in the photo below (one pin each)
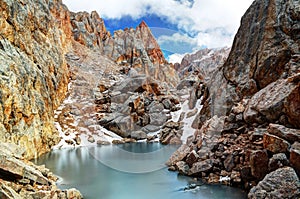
(80, 99)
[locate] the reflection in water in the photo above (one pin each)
(130, 171)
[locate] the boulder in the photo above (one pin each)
(295, 157)
(259, 163)
(192, 158)
(158, 118)
(202, 166)
(277, 99)
(277, 161)
(102, 142)
(178, 155)
(182, 167)
(138, 135)
(291, 135)
(282, 183)
(229, 162)
(275, 144)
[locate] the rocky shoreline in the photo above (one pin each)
(248, 128)
(23, 179)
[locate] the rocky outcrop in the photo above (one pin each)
(255, 96)
(34, 73)
(89, 29)
(138, 49)
(203, 62)
(130, 48)
(23, 179)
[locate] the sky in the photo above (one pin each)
(180, 26)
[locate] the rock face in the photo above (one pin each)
(34, 73)
(255, 96)
(255, 61)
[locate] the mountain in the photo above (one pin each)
(203, 61)
(248, 129)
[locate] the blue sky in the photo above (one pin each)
(180, 26)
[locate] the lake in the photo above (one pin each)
(128, 171)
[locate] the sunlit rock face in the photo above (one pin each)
(33, 73)
(130, 48)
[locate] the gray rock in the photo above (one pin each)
(229, 162)
(202, 166)
(157, 118)
(282, 183)
(156, 107)
(277, 161)
(102, 142)
(138, 135)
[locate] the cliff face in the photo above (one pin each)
(249, 124)
(34, 73)
(35, 36)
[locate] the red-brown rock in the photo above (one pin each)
(259, 163)
(275, 144)
(295, 157)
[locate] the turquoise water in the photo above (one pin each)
(130, 171)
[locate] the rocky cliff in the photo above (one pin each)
(34, 74)
(249, 123)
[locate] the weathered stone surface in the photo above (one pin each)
(291, 135)
(282, 183)
(277, 161)
(89, 29)
(138, 49)
(171, 133)
(182, 167)
(180, 154)
(191, 158)
(34, 72)
(262, 60)
(275, 144)
(259, 163)
(138, 135)
(229, 162)
(295, 157)
(202, 166)
(276, 99)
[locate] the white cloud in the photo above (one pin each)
(214, 22)
(175, 58)
(177, 43)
